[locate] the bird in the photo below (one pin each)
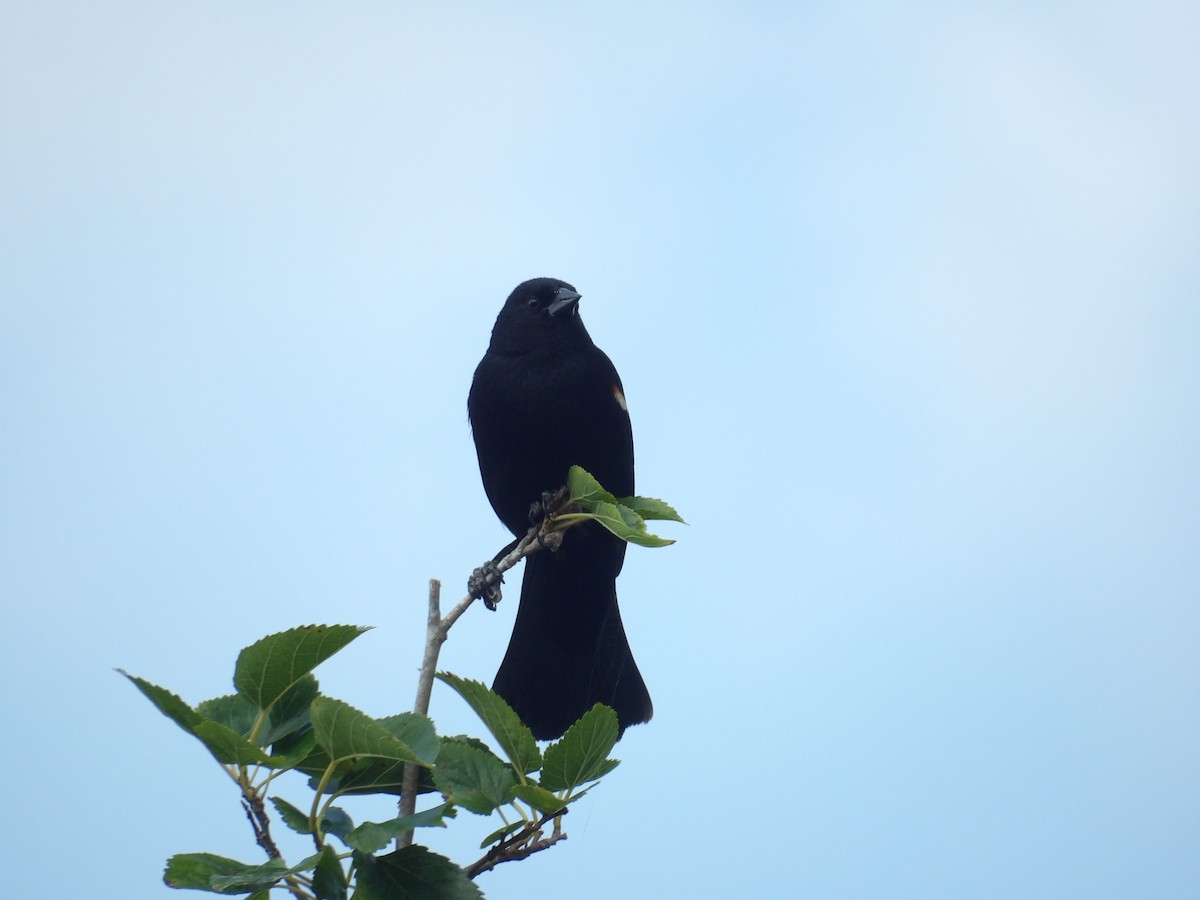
(544, 398)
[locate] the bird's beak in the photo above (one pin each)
(564, 301)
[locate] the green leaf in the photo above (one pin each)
(585, 489)
(292, 817)
(417, 732)
(253, 878)
(649, 508)
(233, 711)
(581, 754)
(297, 747)
(501, 833)
(412, 873)
(472, 778)
(372, 836)
(373, 776)
(194, 871)
(367, 775)
(514, 738)
(290, 713)
(337, 821)
(169, 704)
(540, 799)
(626, 524)
(229, 747)
(329, 880)
(625, 517)
(268, 668)
(469, 740)
(347, 734)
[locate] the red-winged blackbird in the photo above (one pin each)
(544, 398)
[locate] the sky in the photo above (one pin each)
(906, 303)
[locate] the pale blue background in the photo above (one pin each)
(906, 299)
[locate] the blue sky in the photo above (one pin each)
(905, 301)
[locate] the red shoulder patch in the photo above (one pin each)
(620, 397)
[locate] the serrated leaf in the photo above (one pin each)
(586, 490)
(626, 524)
(231, 748)
(374, 776)
(363, 776)
(290, 713)
(292, 817)
(580, 756)
(370, 775)
(372, 836)
(417, 732)
(514, 738)
(500, 834)
(194, 871)
(625, 517)
(649, 509)
(233, 711)
(170, 705)
(348, 734)
(253, 878)
(472, 778)
(469, 739)
(337, 821)
(540, 799)
(412, 873)
(294, 749)
(225, 744)
(268, 668)
(329, 879)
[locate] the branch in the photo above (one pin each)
(438, 629)
(515, 848)
(257, 814)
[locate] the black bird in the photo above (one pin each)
(544, 398)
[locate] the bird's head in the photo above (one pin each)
(542, 313)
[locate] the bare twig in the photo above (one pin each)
(519, 846)
(436, 631)
(257, 814)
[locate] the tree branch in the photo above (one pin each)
(437, 629)
(257, 814)
(517, 846)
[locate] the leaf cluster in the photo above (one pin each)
(278, 721)
(626, 517)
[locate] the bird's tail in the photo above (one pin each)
(568, 649)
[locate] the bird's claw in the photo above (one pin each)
(484, 584)
(548, 505)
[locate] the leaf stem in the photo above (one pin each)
(314, 817)
(566, 520)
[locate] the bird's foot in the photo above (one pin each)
(484, 584)
(539, 509)
(543, 511)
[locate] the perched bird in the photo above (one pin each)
(545, 398)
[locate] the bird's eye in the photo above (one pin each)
(532, 302)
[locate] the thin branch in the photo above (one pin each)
(437, 629)
(435, 636)
(518, 846)
(257, 814)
